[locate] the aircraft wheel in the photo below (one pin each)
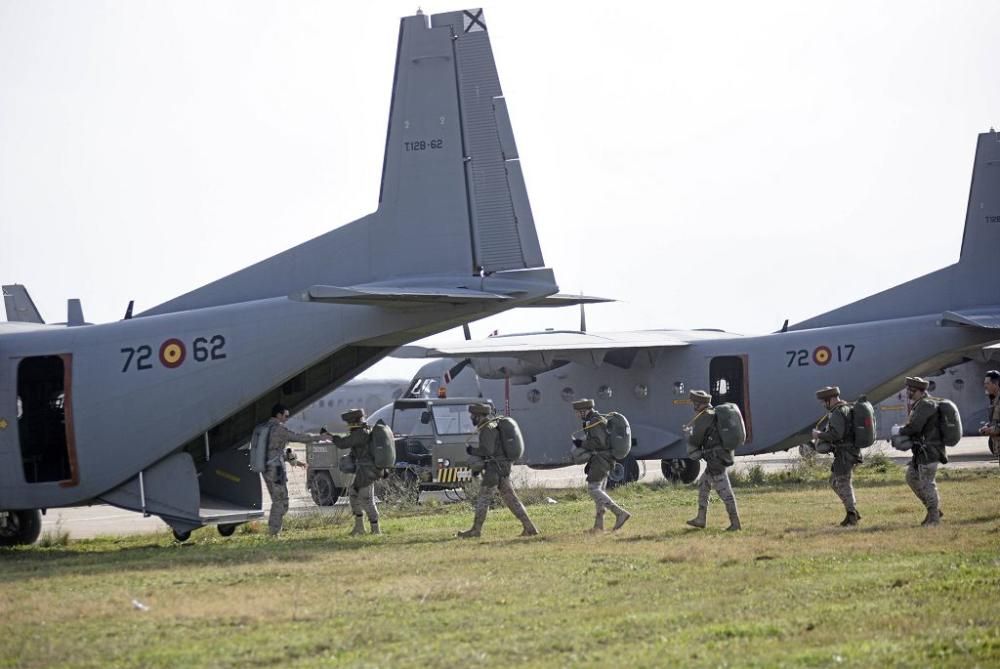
(182, 536)
(323, 491)
(680, 470)
(20, 527)
(629, 473)
(227, 529)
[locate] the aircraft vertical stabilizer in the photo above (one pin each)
(19, 305)
(452, 200)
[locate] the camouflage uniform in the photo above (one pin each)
(839, 435)
(361, 492)
(928, 451)
(496, 475)
(705, 444)
(595, 428)
(275, 477)
(994, 424)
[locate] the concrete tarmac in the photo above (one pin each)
(104, 520)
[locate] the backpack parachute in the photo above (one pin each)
(258, 448)
(732, 429)
(950, 422)
(382, 446)
(863, 422)
(511, 441)
(619, 435)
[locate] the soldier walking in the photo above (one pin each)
(923, 429)
(837, 436)
(496, 473)
(991, 384)
(275, 476)
(704, 443)
(361, 492)
(599, 464)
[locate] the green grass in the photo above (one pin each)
(793, 589)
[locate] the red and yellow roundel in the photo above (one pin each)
(822, 355)
(172, 353)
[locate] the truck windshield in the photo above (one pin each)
(453, 419)
(407, 421)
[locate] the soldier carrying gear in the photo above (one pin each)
(496, 472)
(361, 492)
(275, 477)
(838, 435)
(924, 431)
(599, 464)
(991, 429)
(704, 443)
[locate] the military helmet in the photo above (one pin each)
(583, 405)
(917, 383)
(353, 417)
(479, 409)
(700, 397)
(828, 392)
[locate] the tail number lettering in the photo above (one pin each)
(172, 353)
(423, 145)
(820, 356)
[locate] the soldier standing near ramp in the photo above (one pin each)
(705, 443)
(599, 463)
(274, 473)
(838, 436)
(362, 491)
(923, 429)
(496, 472)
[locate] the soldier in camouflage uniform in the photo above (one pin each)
(991, 384)
(705, 444)
(595, 433)
(275, 477)
(495, 474)
(361, 492)
(837, 436)
(923, 429)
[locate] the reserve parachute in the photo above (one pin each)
(511, 441)
(732, 429)
(863, 422)
(949, 421)
(382, 446)
(619, 435)
(258, 448)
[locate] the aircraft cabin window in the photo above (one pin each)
(933, 386)
(641, 391)
(534, 396)
(958, 385)
(678, 387)
(568, 394)
(604, 392)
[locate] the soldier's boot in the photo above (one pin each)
(734, 517)
(598, 524)
(933, 517)
(359, 525)
(851, 519)
(699, 520)
(477, 523)
(376, 528)
(621, 516)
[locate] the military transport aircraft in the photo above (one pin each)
(868, 347)
(147, 413)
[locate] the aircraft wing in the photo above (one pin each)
(390, 296)
(988, 318)
(548, 342)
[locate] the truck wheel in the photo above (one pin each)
(20, 527)
(680, 470)
(629, 474)
(322, 489)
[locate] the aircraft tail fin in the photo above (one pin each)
(19, 305)
(452, 200)
(969, 284)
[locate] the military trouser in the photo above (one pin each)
(363, 502)
(718, 482)
(509, 497)
(921, 481)
(602, 502)
(277, 487)
(843, 484)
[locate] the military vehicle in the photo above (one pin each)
(922, 327)
(149, 413)
(431, 437)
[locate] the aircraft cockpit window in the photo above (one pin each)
(453, 419)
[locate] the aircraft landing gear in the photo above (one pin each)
(680, 470)
(18, 528)
(182, 536)
(227, 529)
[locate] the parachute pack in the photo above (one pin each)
(511, 441)
(863, 422)
(382, 446)
(949, 421)
(258, 448)
(732, 429)
(619, 435)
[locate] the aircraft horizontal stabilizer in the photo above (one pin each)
(388, 296)
(988, 318)
(564, 300)
(551, 342)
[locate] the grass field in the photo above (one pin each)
(793, 589)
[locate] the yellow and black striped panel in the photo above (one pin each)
(452, 474)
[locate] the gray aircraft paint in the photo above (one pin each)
(173, 391)
(868, 347)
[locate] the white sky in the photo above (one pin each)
(708, 164)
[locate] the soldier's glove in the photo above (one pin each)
(894, 431)
(468, 450)
(323, 430)
(578, 443)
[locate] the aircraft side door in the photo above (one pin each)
(44, 404)
(10, 455)
(729, 382)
